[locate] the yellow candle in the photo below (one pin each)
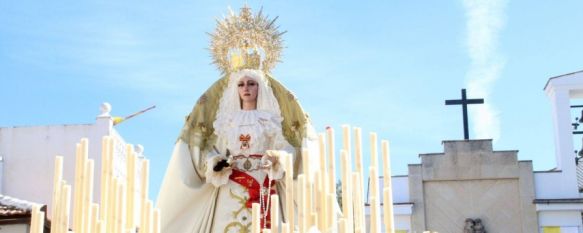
(289, 191)
(275, 213)
(266, 231)
(156, 227)
(255, 215)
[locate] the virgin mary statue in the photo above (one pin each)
(228, 154)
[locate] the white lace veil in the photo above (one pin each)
(230, 100)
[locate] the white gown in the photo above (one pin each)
(188, 200)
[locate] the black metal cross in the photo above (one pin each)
(464, 102)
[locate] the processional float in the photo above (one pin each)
(238, 40)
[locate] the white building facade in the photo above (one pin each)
(28, 157)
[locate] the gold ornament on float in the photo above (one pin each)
(246, 41)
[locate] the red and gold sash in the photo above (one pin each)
(253, 188)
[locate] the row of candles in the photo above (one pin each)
(315, 192)
(123, 207)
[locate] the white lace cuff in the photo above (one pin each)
(217, 178)
(272, 164)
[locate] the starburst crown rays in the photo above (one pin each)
(246, 41)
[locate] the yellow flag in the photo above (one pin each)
(551, 229)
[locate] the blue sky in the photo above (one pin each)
(385, 66)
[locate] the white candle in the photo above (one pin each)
(130, 179)
(343, 226)
(374, 195)
(358, 150)
(266, 231)
(302, 209)
(332, 203)
(144, 184)
(386, 163)
(122, 207)
(66, 203)
(347, 189)
(331, 161)
(374, 216)
(112, 220)
(388, 184)
(79, 166)
(156, 226)
(318, 204)
(85, 186)
(33, 219)
(346, 138)
(285, 228)
(149, 216)
(57, 177)
(40, 222)
(274, 213)
(289, 191)
(88, 194)
(104, 177)
(94, 217)
(322, 147)
(373, 150)
(255, 215)
(388, 208)
(358, 202)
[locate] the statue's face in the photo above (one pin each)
(248, 89)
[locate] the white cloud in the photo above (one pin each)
(485, 19)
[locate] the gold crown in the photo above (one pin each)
(246, 41)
